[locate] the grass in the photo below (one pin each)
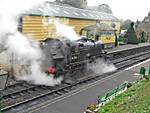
(135, 100)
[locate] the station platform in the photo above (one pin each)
(127, 47)
(78, 100)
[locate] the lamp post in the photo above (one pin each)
(3, 81)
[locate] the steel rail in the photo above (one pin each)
(68, 87)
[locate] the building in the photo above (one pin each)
(144, 26)
(38, 23)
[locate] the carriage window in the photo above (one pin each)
(108, 33)
(89, 35)
(100, 35)
(97, 36)
(111, 32)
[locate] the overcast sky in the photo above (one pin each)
(126, 9)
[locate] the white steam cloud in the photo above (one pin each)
(101, 66)
(22, 53)
(39, 78)
(66, 31)
(10, 10)
(25, 55)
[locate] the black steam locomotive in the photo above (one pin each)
(66, 56)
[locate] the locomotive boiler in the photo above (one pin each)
(66, 56)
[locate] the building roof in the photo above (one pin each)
(145, 25)
(146, 19)
(49, 9)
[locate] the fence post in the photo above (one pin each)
(116, 91)
(149, 71)
(98, 102)
(142, 71)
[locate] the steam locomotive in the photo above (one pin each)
(64, 56)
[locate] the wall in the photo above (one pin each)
(78, 24)
(40, 27)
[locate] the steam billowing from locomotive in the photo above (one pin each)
(21, 54)
(43, 63)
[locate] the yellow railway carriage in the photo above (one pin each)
(107, 37)
(101, 32)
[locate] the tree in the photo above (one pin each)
(104, 8)
(126, 24)
(130, 35)
(76, 3)
(101, 8)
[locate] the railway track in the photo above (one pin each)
(23, 95)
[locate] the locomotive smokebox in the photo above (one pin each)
(55, 52)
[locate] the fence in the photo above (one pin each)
(143, 71)
(108, 96)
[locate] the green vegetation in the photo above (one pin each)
(135, 100)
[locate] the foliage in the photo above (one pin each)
(101, 8)
(135, 100)
(76, 3)
(104, 8)
(126, 24)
